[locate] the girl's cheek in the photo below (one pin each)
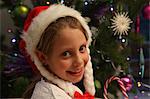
(66, 63)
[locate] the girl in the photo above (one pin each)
(57, 40)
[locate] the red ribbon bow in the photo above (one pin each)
(86, 95)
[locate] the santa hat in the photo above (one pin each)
(38, 20)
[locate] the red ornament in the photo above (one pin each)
(146, 12)
(127, 82)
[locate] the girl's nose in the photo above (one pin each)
(78, 60)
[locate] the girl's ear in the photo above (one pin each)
(42, 57)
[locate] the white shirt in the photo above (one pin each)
(46, 90)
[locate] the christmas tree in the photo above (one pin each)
(116, 36)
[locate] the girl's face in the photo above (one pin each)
(69, 55)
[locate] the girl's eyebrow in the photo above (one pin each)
(85, 43)
(71, 48)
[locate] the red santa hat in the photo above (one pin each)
(38, 20)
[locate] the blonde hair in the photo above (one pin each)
(48, 37)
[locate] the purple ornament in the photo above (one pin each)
(127, 82)
(146, 12)
(135, 97)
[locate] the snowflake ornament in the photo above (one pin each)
(120, 24)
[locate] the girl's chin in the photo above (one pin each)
(76, 79)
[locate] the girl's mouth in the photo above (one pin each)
(76, 73)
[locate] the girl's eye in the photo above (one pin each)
(66, 54)
(82, 48)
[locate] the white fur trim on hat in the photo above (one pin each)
(32, 37)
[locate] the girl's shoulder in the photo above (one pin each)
(46, 90)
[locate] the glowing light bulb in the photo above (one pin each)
(9, 30)
(128, 58)
(123, 40)
(9, 11)
(13, 40)
(111, 9)
(139, 84)
(86, 3)
(15, 54)
(142, 92)
(47, 3)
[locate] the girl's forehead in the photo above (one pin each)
(69, 33)
(69, 36)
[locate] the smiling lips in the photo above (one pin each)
(76, 73)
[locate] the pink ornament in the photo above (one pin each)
(146, 12)
(127, 82)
